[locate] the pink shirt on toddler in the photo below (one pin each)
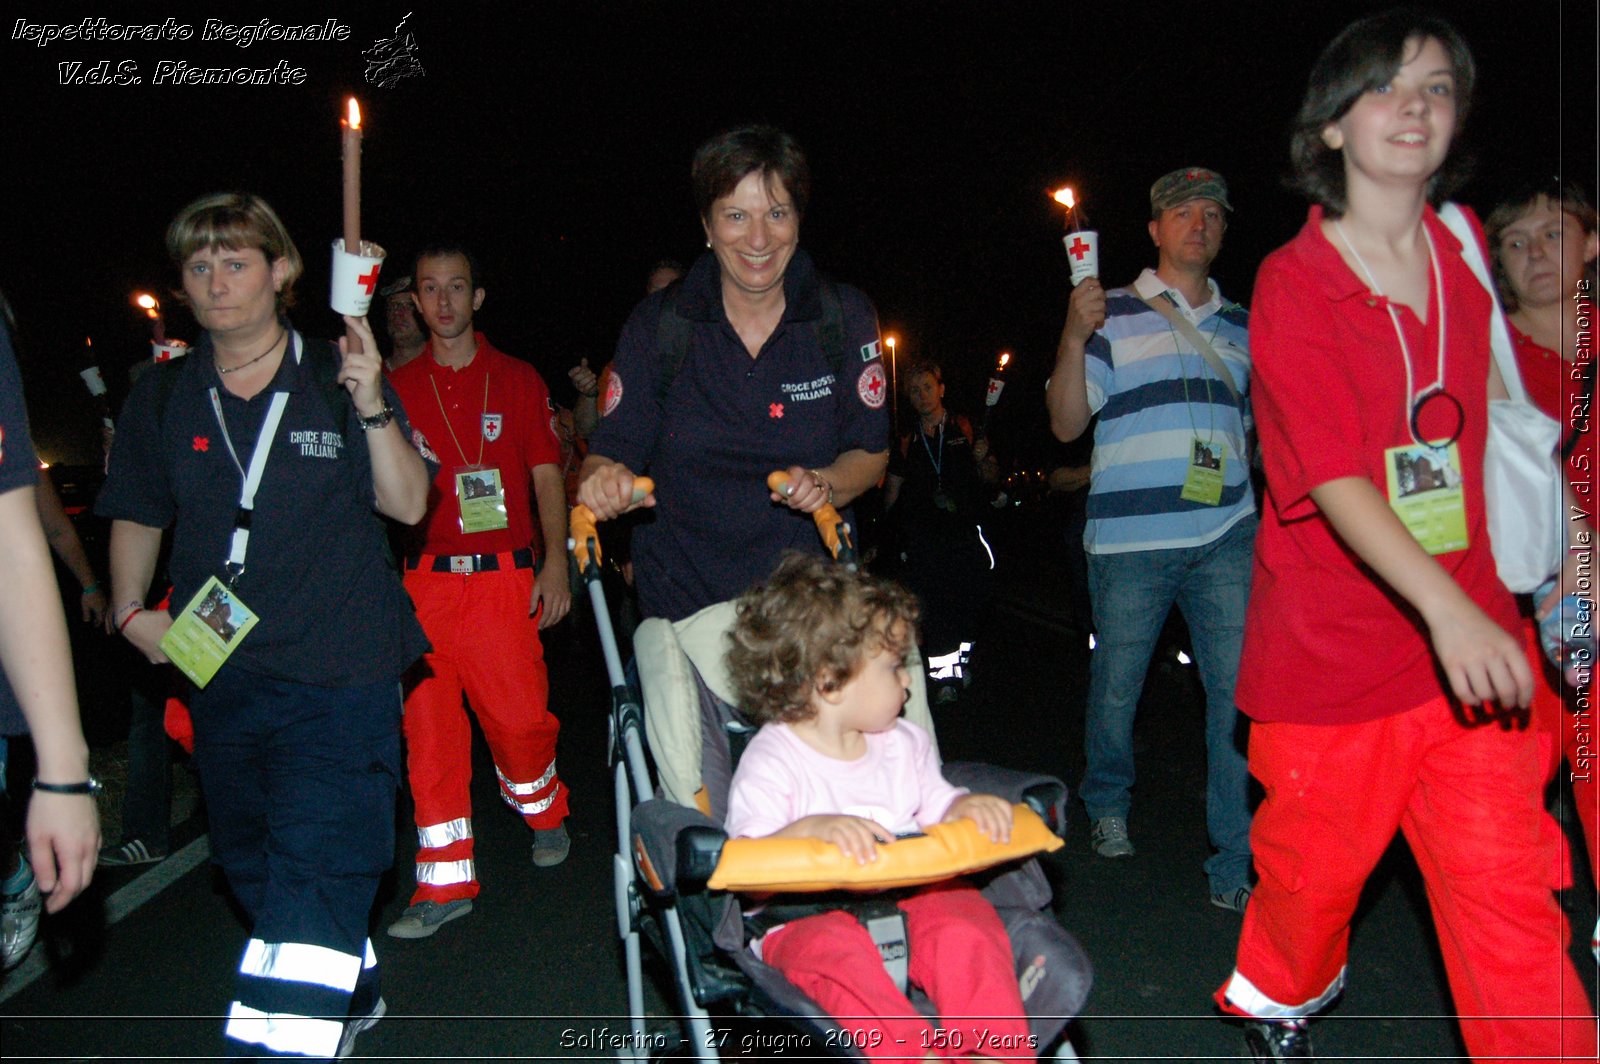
(780, 779)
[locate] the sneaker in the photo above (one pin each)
(1110, 837)
(1269, 1040)
(19, 920)
(425, 917)
(1233, 900)
(353, 1027)
(551, 846)
(132, 852)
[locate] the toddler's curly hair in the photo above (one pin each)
(811, 627)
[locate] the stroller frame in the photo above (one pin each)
(646, 884)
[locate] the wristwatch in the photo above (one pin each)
(378, 420)
(88, 786)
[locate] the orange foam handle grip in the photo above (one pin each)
(582, 533)
(827, 518)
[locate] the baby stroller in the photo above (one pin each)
(670, 843)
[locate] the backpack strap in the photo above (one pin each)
(830, 329)
(672, 339)
(673, 331)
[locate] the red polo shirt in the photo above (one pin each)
(1556, 386)
(1326, 641)
(494, 411)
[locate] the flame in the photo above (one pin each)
(354, 118)
(1064, 197)
(145, 300)
(1005, 358)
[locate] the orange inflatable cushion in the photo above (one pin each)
(799, 865)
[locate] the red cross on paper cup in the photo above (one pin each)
(355, 278)
(1083, 254)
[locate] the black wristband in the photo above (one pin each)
(88, 786)
(376, 421)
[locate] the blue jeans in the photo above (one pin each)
(1132, 594)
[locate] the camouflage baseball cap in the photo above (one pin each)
(1194, 182)
(398, 287)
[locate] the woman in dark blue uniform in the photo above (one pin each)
(272, 458)
(751, 363)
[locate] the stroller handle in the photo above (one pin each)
(831, 527)
(583, 538)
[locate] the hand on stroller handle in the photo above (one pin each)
(831, 527)
(582, 538)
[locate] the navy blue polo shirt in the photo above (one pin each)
(317, 572)
(727, 421)
(19, 468)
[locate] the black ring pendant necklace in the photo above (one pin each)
(1422, 402)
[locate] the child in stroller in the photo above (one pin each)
(817, 657)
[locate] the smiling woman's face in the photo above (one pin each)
(754, 230)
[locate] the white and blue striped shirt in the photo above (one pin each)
(1150, 388)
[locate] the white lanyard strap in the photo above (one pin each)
(937, 463)
(1413, 398)
(251, 480)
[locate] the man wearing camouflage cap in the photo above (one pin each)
(400, 320)
(1165, 364)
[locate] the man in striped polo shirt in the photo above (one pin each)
(1164, 362)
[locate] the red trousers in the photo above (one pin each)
(1470, 803)
(960, 956)
(487, 646)
(1568, 716)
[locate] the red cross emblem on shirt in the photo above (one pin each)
(202, 444)
(775, 410)
(1079, 248)
(369, 281)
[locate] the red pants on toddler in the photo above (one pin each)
(960, 957)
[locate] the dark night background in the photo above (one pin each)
(556, 138)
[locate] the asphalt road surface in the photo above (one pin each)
(141, 968)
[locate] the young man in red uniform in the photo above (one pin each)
(488, 417)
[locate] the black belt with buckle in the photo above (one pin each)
(471, 563)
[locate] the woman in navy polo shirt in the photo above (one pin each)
(751, 363)
(271, 458)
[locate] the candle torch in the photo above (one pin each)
(350, 152)
(1081, 242)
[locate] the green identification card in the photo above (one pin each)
(482, 498)
(1203, 482)
(1424, 485)
(209, 629)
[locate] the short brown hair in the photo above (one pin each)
(810, 628)
(1366, 55)
(1565, 196)
(726, 159)
(236, 221)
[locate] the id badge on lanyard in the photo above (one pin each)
(1424, 490)
(481, 498)
(216, 620)
(208, 630)
(1208, 462)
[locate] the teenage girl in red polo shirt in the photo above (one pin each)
(1380, 641)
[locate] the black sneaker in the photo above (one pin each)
(356, 1024)
(1269, 1040)
(132, 852)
